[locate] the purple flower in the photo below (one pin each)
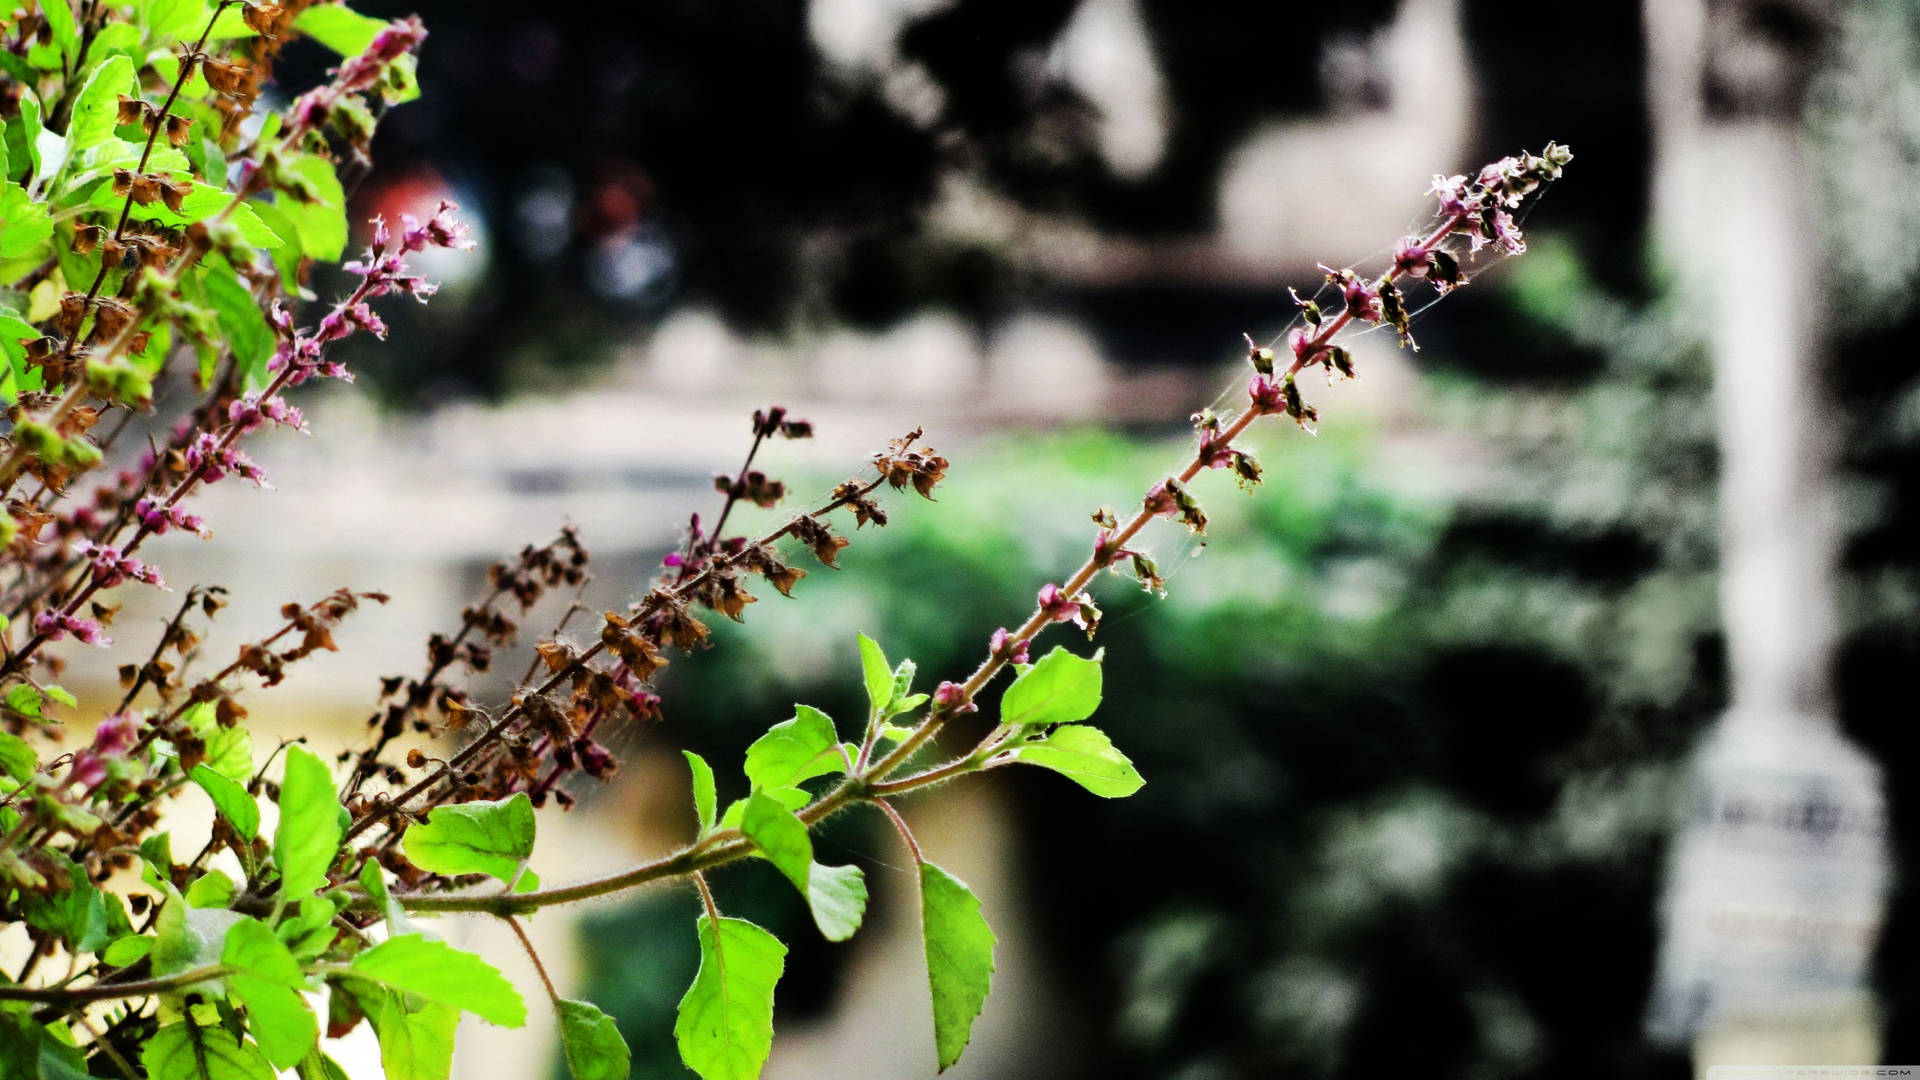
(215, 458)
(111, 568)
(1411, 257)
(158, 519)
(1013, 651)
(1269, 395)
(1363, 298)
(1507, 234)
(1160, 501)
(1452, 193)
(1055, 605)
(116, 735)
(952, 697)
(55, 625)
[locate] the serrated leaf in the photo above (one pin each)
(836, 895)
(230, 753)
(904, 699)
(592, 1043)
(97, 107)
(416, 1043)
(83, 916)
(267, 980)
(781, 837)
(877, 675)
(189, 1051)
(959, 959)
(1087, 757)
(308, 837)
(439, 972)
(1060, 689)
(474, 838)
(704, 799)
(795, 750)
(230, 799)
(725, 1023)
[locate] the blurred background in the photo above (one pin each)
(1548, 715)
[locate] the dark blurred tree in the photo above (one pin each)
(630, 158)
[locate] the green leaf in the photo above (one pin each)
(310, 930)
(17, 759)
(792, 798)
(97, 107)
(190, 1051)
(267, 980)
(83, 916)
(795, 750)
(592, 1042)
(173, 18)
(318, 1066)
(878, 676)
(60, 695)
(959, 959)
(1087, 757)
(904, 700)
(286, 254)
(416, 1043)
(127, 951)
(246, 330)
(1061, 689)
(253, 948)
(189, 937)
(24, 224)
(232, 800)
(26, 699)
(213, 889)
(725, 1026)
(704, 799)
(308, 837)
(474, 838)
(230, 753)
(116, 38)
(439, 972)
(781, 837)
(837, 895)
(339, 28)
(66, 31)
(321, 217)
(23, 138)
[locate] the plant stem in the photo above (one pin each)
(113, 991)
(527, 944)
